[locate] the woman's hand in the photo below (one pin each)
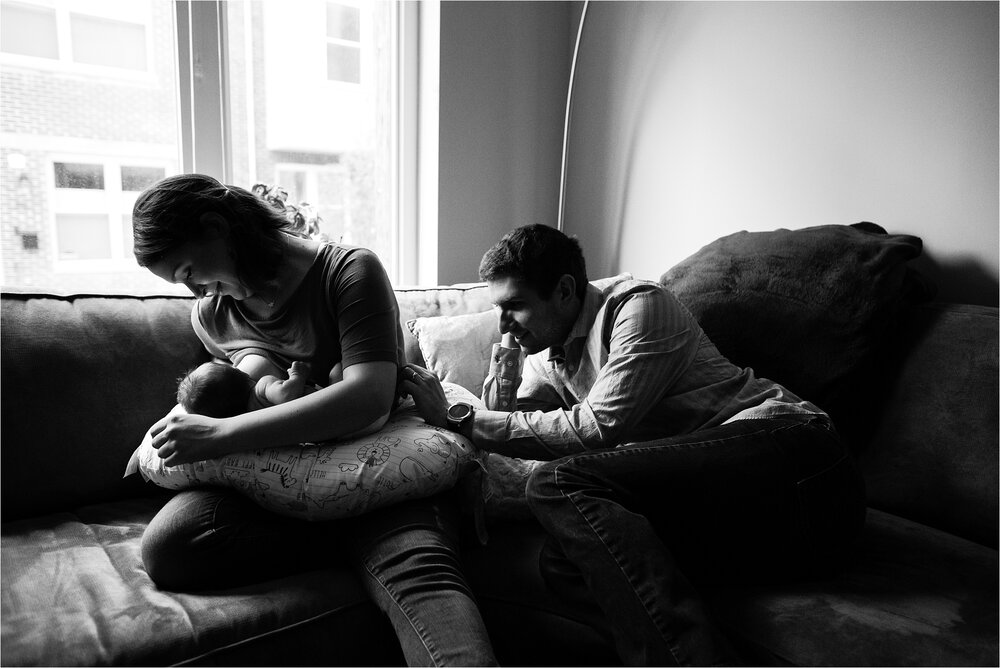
(427, 393)
(181, 438)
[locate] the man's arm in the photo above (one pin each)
(652, 341)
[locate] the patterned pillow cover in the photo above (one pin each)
(406, 459)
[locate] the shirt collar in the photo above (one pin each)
(592, 301)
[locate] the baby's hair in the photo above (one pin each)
(215, 390)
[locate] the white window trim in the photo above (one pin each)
(202, 76)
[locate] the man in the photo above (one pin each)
(670, 466)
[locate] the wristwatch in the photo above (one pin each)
(459, 414)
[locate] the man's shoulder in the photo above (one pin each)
(633, 295)
(625, 287)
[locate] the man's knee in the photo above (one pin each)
(542, 486)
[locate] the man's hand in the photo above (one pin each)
(427, 393)
(181, 438)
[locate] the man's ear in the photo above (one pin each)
(566, 288)
(213, 226)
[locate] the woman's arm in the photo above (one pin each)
(365, 395)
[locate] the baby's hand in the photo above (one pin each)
(281, 391)
(299, 370)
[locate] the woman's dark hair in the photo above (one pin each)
(537, 255)
(168, 215)
(215, 390)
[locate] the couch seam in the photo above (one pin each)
(265, 634)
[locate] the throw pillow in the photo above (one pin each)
(806, 308)
(457, 347)
(406, 459)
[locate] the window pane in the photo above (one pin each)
(101, 41)
(332, 144)
(136, 179)
(76, 143)
(83, 237)
(28, 31)
(343, 63)
(343, 22)
(79, 175)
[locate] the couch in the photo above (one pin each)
(911, 382)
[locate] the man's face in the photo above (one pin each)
(536, 323)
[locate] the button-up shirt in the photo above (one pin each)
(635, 366)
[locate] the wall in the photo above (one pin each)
(503, 77)
(693, 120)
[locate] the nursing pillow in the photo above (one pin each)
(406, 459)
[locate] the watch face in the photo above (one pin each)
(459, 412)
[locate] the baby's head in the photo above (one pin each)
(215, 390)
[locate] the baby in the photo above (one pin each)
(221, 390)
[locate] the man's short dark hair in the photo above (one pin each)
(537, 255)
(215, 390)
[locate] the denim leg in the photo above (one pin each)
(408, 558)
(741, 502)
(215, 538)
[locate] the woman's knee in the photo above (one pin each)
(165, 550)
(173, 546)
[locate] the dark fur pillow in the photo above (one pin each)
(807, 308)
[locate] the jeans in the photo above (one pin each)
(407, 556)
(634, 529)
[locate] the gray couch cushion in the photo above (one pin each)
(915, 596)
(933, 457)
(83, 379)
(78, 577)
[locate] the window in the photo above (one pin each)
(79, 175)
(309, 101)
(78, 34)
(88, 112)
(320, 121)
(343, 49)
(92, 204)
(136, 179)
(101, 41)
(28, 30)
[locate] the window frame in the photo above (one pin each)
(206, 133)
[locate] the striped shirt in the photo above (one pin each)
(636, 366)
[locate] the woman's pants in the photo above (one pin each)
(407, 556)
(753, 500)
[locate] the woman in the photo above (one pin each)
(267, 298)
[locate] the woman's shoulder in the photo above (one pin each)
(348, 262)
(345, 252)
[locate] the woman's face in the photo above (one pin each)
(205, 267)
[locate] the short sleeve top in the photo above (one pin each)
(344, 311)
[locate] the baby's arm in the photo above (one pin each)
(272, 390)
